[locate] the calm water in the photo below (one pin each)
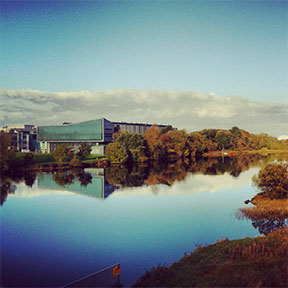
(56, 228)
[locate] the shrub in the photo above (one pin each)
(272, 181)
(117, 153)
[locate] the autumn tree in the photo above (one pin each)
(223, 139)
(117, 153)
(272, 181)
(63, 153)
(179, 139)
(152, 136)
(135, 144)
(165, 129)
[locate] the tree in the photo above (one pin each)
(223, 139)
(236, 131)
(5, 141)
(272, 181)
(63, 153)
(117, 153)
(135, 144)
(84, 150)
(165, 129)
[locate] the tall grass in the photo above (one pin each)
(258, 262)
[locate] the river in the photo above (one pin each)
(58, 227)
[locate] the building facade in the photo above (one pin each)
(24, 137)
(97, 133)
(134, 127)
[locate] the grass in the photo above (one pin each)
(93, 158)
(248, 262)
(265, 208)
(41, 159)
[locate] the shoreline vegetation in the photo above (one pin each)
(250, 262)
(164, 145)
(45, 162)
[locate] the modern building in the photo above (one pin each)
(24, 137)
(97, 133)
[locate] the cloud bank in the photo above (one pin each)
(182, 109)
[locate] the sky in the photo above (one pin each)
(191, 64)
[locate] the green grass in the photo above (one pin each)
(94, 156)
(248, 262)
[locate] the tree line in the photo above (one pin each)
(167, 144)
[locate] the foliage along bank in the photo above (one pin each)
(248, 262)
(168, 144)
(161, 145)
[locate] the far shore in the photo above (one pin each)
(243, 152)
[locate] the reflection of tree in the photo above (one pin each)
(30, 178)
(63, 178)
(66, 178)
(266, 226)
(6, 187)
(167, 173)
(266, 215)
(84, 178)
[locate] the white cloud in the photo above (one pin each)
(182, 109)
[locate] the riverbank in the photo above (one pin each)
(242, 152)
(248, 262)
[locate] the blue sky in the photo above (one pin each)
(230, 48)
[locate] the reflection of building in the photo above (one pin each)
(98, 188)
(24, 137)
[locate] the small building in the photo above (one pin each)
(24, 137)
(97, 133)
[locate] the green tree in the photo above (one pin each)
(117, 153)
(272, 181)
(236, 131)
(63, 153)
(5, 141)
(84, 151)
(165, 129)
(223, 139)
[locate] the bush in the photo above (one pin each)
(272, 181)
(117, 153)
(63, 153)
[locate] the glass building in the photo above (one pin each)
(97, 133)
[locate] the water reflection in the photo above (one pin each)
(100, 183)
(88, 183)
(82, 235)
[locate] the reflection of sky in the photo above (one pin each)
(57, 238)
(197, 183)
